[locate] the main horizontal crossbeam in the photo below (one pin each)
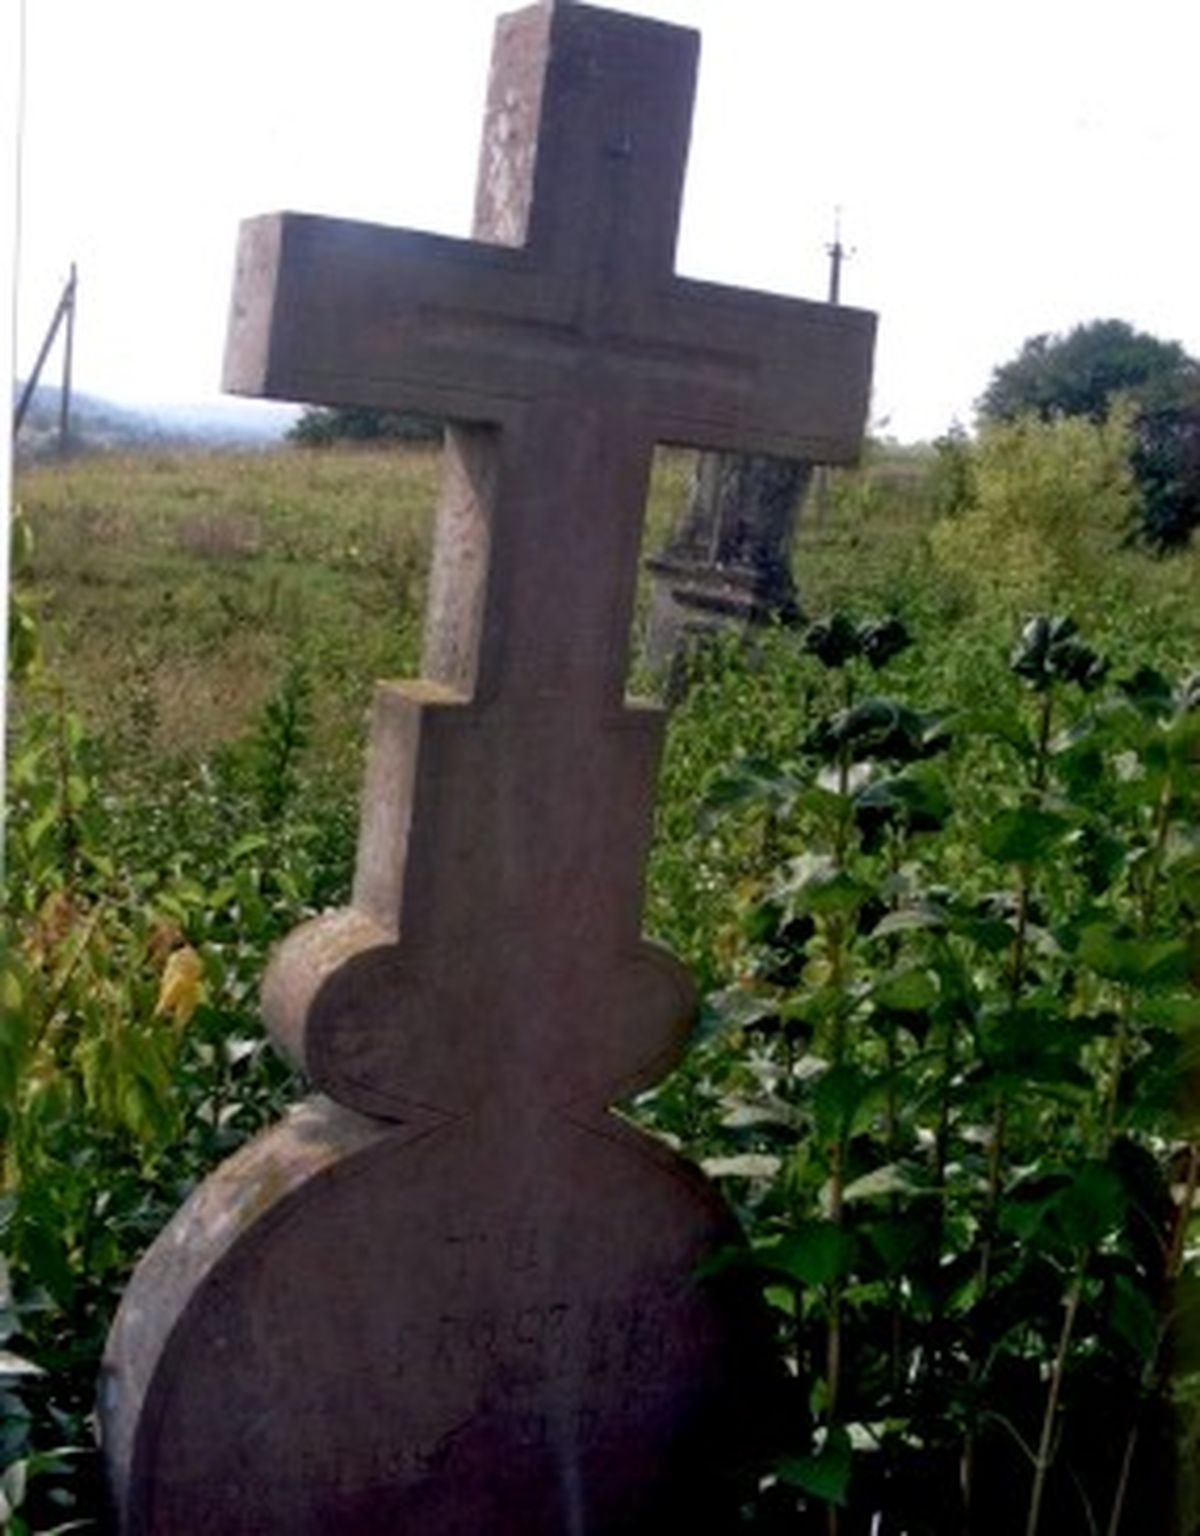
(345, 313)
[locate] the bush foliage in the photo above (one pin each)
(1046, 504)
(1106, 366)
(322, 426)
(935, 863)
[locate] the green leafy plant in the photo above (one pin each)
(939, 1084)
(842, 852)
(131, 1055)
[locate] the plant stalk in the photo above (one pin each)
(1050, 1416)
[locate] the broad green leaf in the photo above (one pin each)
(1149, 690)
(1092, 1206)
(253, 842)
(1006, 725)
(815, 884)
(11, 991)
(881, 639)
(836, 1097)
(742, 1114)
(920, 795)
(1177, 1013)
(913, 990)
(826, 1474)
(826, 805)
(880, 728)
(1023, 834)
(833, 641)
(1133, 1317)
(14, 1488)
(1026, 1209)
(814, 1253)
(1115, 954)
(899, 1240)
(1074, 1211)
(1183, 740)
(990, 932)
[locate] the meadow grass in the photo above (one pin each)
(174, 590)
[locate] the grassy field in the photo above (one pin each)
(177, 593)
(175, 590)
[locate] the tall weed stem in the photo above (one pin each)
(1053, 1394)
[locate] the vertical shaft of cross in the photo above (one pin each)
(471, 458)
(555, 622)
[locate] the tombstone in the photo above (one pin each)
(453, 1292)
(728, 562)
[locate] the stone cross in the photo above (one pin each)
(454, 1293)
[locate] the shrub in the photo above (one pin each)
(948, 1078)
(1049, 501)
(321, 426)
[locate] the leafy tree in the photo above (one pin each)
(1166, 465)
(1089, 369)
(1080, 374)
(321, 426)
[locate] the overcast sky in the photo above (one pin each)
(1004, 169)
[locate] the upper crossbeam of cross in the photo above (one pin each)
(562, 324)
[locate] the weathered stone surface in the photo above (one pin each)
(729, 560)
(458, 1295)
(377, 1329)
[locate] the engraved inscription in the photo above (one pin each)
(596, 1339)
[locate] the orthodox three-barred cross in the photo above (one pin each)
(454, 1294)
(509, 795)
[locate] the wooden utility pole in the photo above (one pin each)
(64, 316)
(64, 396)
(837, 255)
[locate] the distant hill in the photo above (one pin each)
(104, 425)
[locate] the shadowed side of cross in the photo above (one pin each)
(492, 960)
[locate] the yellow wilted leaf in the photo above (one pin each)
(182, 985)
(163, 940)
(55, 920)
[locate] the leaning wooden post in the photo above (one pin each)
(64, 310)
(64, 397)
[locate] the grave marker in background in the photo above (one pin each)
(728, 562)
(455, 1294)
